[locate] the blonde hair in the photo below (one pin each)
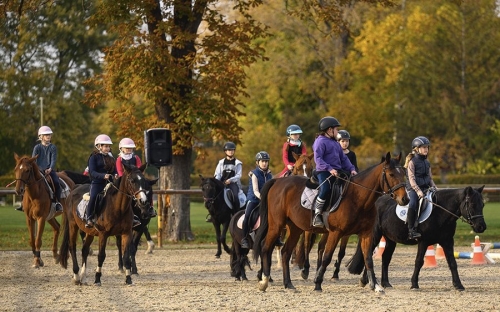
(409, 157)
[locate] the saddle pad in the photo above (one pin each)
(425, 208)
(81, 210)
(307, 197)
(241, 197)
(239, 224)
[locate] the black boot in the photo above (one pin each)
(59, 207)
(244, 243)
(89, 223)
(20, 208)
(209, 218)
(318, 210)
(152, 212)
(279, 243)
(246, 230)
(136, 221)
(410, 219)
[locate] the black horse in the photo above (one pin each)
(448, 205)
(221, 213)
(239, 256)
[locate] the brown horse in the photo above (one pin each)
(281, 203)
(37, 204)
(115, 218)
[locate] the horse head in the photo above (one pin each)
(139, 187)
(211, 189)
(303, 165)
(471, 208)
(393, 179)
(26, 172)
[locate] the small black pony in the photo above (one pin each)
(449, 205)
(213, 196)
(239, 256)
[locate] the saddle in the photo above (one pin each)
(230, 199)
(424, 209)
(253, 219)
(311, 190)
(50, 183)
(99, 203)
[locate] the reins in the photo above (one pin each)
(212, 199)
(470, 217)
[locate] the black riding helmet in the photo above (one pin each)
(229, 146)
(419, 141)
(262, 155)
(343, 135)
(327, 122)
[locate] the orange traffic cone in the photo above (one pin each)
(380, 249)
(439, 252)
(478, 257)
(430, 258)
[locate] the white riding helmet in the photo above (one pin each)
(44, 130)
(127, 143)
(102, 139)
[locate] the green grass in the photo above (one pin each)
(14, 234)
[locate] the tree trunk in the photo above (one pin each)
(177, 176)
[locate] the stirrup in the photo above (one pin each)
(318, 221)
(413, 234)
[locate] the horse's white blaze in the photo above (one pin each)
(304, 166)
(21, 167)
(144, 198)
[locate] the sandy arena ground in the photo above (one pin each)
(192, 279)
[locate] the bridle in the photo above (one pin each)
(211, 200)
(466, 204)
(295, 169)
(31, 176)
(131, 193)
(385, 182)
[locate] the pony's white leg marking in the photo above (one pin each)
(151, 246)
(264, 283)
(98, 269)
(127, 272)
(379, 289)
(83, 273)
(278, 257)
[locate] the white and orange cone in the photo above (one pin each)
(439, 252)
(380, 249)
(430, 258)
(478, 257)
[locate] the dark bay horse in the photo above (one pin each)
(356, 214)
(449, 205)
(239, 256)
(213, 196)
(115, 218)
(37, 204)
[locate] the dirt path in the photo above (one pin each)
(193, 280)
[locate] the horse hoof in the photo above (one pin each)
(304, 276)
(262, 286)
(379, 290)
(97, 284)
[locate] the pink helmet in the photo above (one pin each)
(127, 143)
(102, 139)
(44, 130)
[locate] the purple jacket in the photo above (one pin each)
(328, 155)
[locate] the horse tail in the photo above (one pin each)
(357, 262)
(261, 233)
(64, 250)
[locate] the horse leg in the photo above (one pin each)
(120, 253)
(340, 256)
(331, 243)
(225, 226)
(390, 246)
(103, 240)
(151, 243)
(129, 249)
(218, 237)
(278, 249)
(309, 238)
(419, 262)
(55, 229)
(38, 262)
(286, 253)
(82, 274)
(366, 240)
(452, 264)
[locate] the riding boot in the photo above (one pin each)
(318, 210)
(410, 219)
(59, 207)
(152, 212)
(244, 241)
(20, 208)
(279, 242)
(89, 223)
(136, 221)
(209, 218)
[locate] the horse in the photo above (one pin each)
(213, 196)
(37, 204)
(356, 214)
(238, 256)
(115, 218)
(448, 205)
(79, 178)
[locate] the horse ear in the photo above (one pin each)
(16, 157)
(32, 159)
(399, 156)
(295, 156)
(201, 178)
(127, 167)
(480, 190)
(153, 182)
(311, 156)
(143, 167)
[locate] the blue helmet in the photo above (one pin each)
(293, 129)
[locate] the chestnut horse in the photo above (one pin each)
(115, 218)
(356, 214)
(37, 204)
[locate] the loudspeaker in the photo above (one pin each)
(158, 147)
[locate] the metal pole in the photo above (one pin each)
(41, 111)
